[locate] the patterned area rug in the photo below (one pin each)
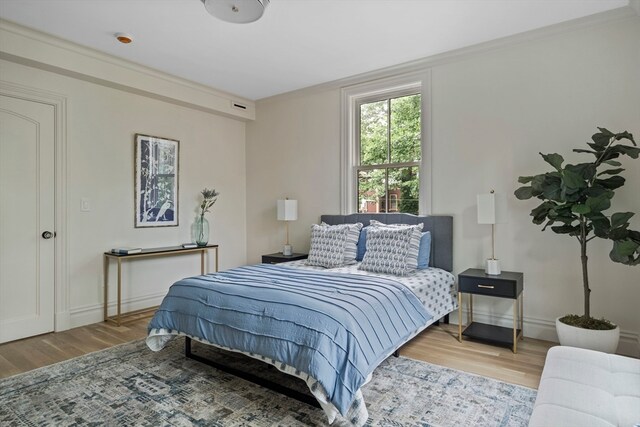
(130, 385)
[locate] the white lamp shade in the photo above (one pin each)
(492, 208)
(287, 210)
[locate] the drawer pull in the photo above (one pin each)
(486, 286)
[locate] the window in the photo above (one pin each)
(384, 146)
(389, 145)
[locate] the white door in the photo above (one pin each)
(27, 138)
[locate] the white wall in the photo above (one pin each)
(492, 113)
(101, 123)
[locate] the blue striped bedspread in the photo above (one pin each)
(335, 327)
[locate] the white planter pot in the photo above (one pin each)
(605, 341)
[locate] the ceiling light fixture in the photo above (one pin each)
(236, 11)
(124, 38)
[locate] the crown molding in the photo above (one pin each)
(603, 18)
(33, 48)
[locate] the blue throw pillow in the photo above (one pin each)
(362, 244)
(424, 253)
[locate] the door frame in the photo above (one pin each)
(61, 255)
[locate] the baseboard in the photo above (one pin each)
(89, 314)
(544, 329)
(62, 321)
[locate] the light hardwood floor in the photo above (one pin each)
(438, 345)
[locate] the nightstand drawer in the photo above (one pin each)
(485, 286)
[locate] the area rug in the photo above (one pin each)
(130, 385)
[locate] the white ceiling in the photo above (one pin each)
(297, 43)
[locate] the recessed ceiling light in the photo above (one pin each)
(124, 38)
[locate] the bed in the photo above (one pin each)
(330, 327)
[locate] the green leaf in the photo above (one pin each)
(613, 163)
(554, 160)
(586, 170)
(623, 250)
(611, 171)
(632, 152)
(581, 150)
(537, 184)
(611, 183)
(551, 186)
(620, 219)
(618, 233)
(600, 224)
(625, 135)
(608, 155)
(599, 149)
(550, 222)
(605, 131)
(598, 191)
(572, 180)
(602, 138)
(542, 212)
(525, 179)
(524, 193)
(580, 209)
(553, 192)
(598, 204)
(566, 229)
(635, 236)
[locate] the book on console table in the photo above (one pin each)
(126, 251)
(189, 245)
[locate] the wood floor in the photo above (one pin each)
(438, 345)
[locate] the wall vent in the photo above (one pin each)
(238, 106)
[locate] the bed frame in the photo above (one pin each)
(441, 228)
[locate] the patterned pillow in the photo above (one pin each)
(333, 245)
(424, 252)
(392, 250)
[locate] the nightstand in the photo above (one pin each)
(509, 284)
(278, 257)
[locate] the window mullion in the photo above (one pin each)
(388, 130)
(390, 165)
(386, 190)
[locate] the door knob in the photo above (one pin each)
(47, 235)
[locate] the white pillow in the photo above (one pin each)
(392, 249)
(333, 245)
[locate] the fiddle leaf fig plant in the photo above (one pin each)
(574, 200)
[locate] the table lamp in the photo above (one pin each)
(492, 209)
(287, 211)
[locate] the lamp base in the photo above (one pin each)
(287, 250)
(493, 267)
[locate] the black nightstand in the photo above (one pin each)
(509, 284)
(278, 257)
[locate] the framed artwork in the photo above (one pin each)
(156, 187)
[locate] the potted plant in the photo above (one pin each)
(574, 200)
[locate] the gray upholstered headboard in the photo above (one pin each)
(440, 226)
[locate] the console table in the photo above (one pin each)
(146, 253)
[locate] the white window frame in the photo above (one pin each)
(351, 98)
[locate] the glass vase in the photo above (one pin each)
(200, 231)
